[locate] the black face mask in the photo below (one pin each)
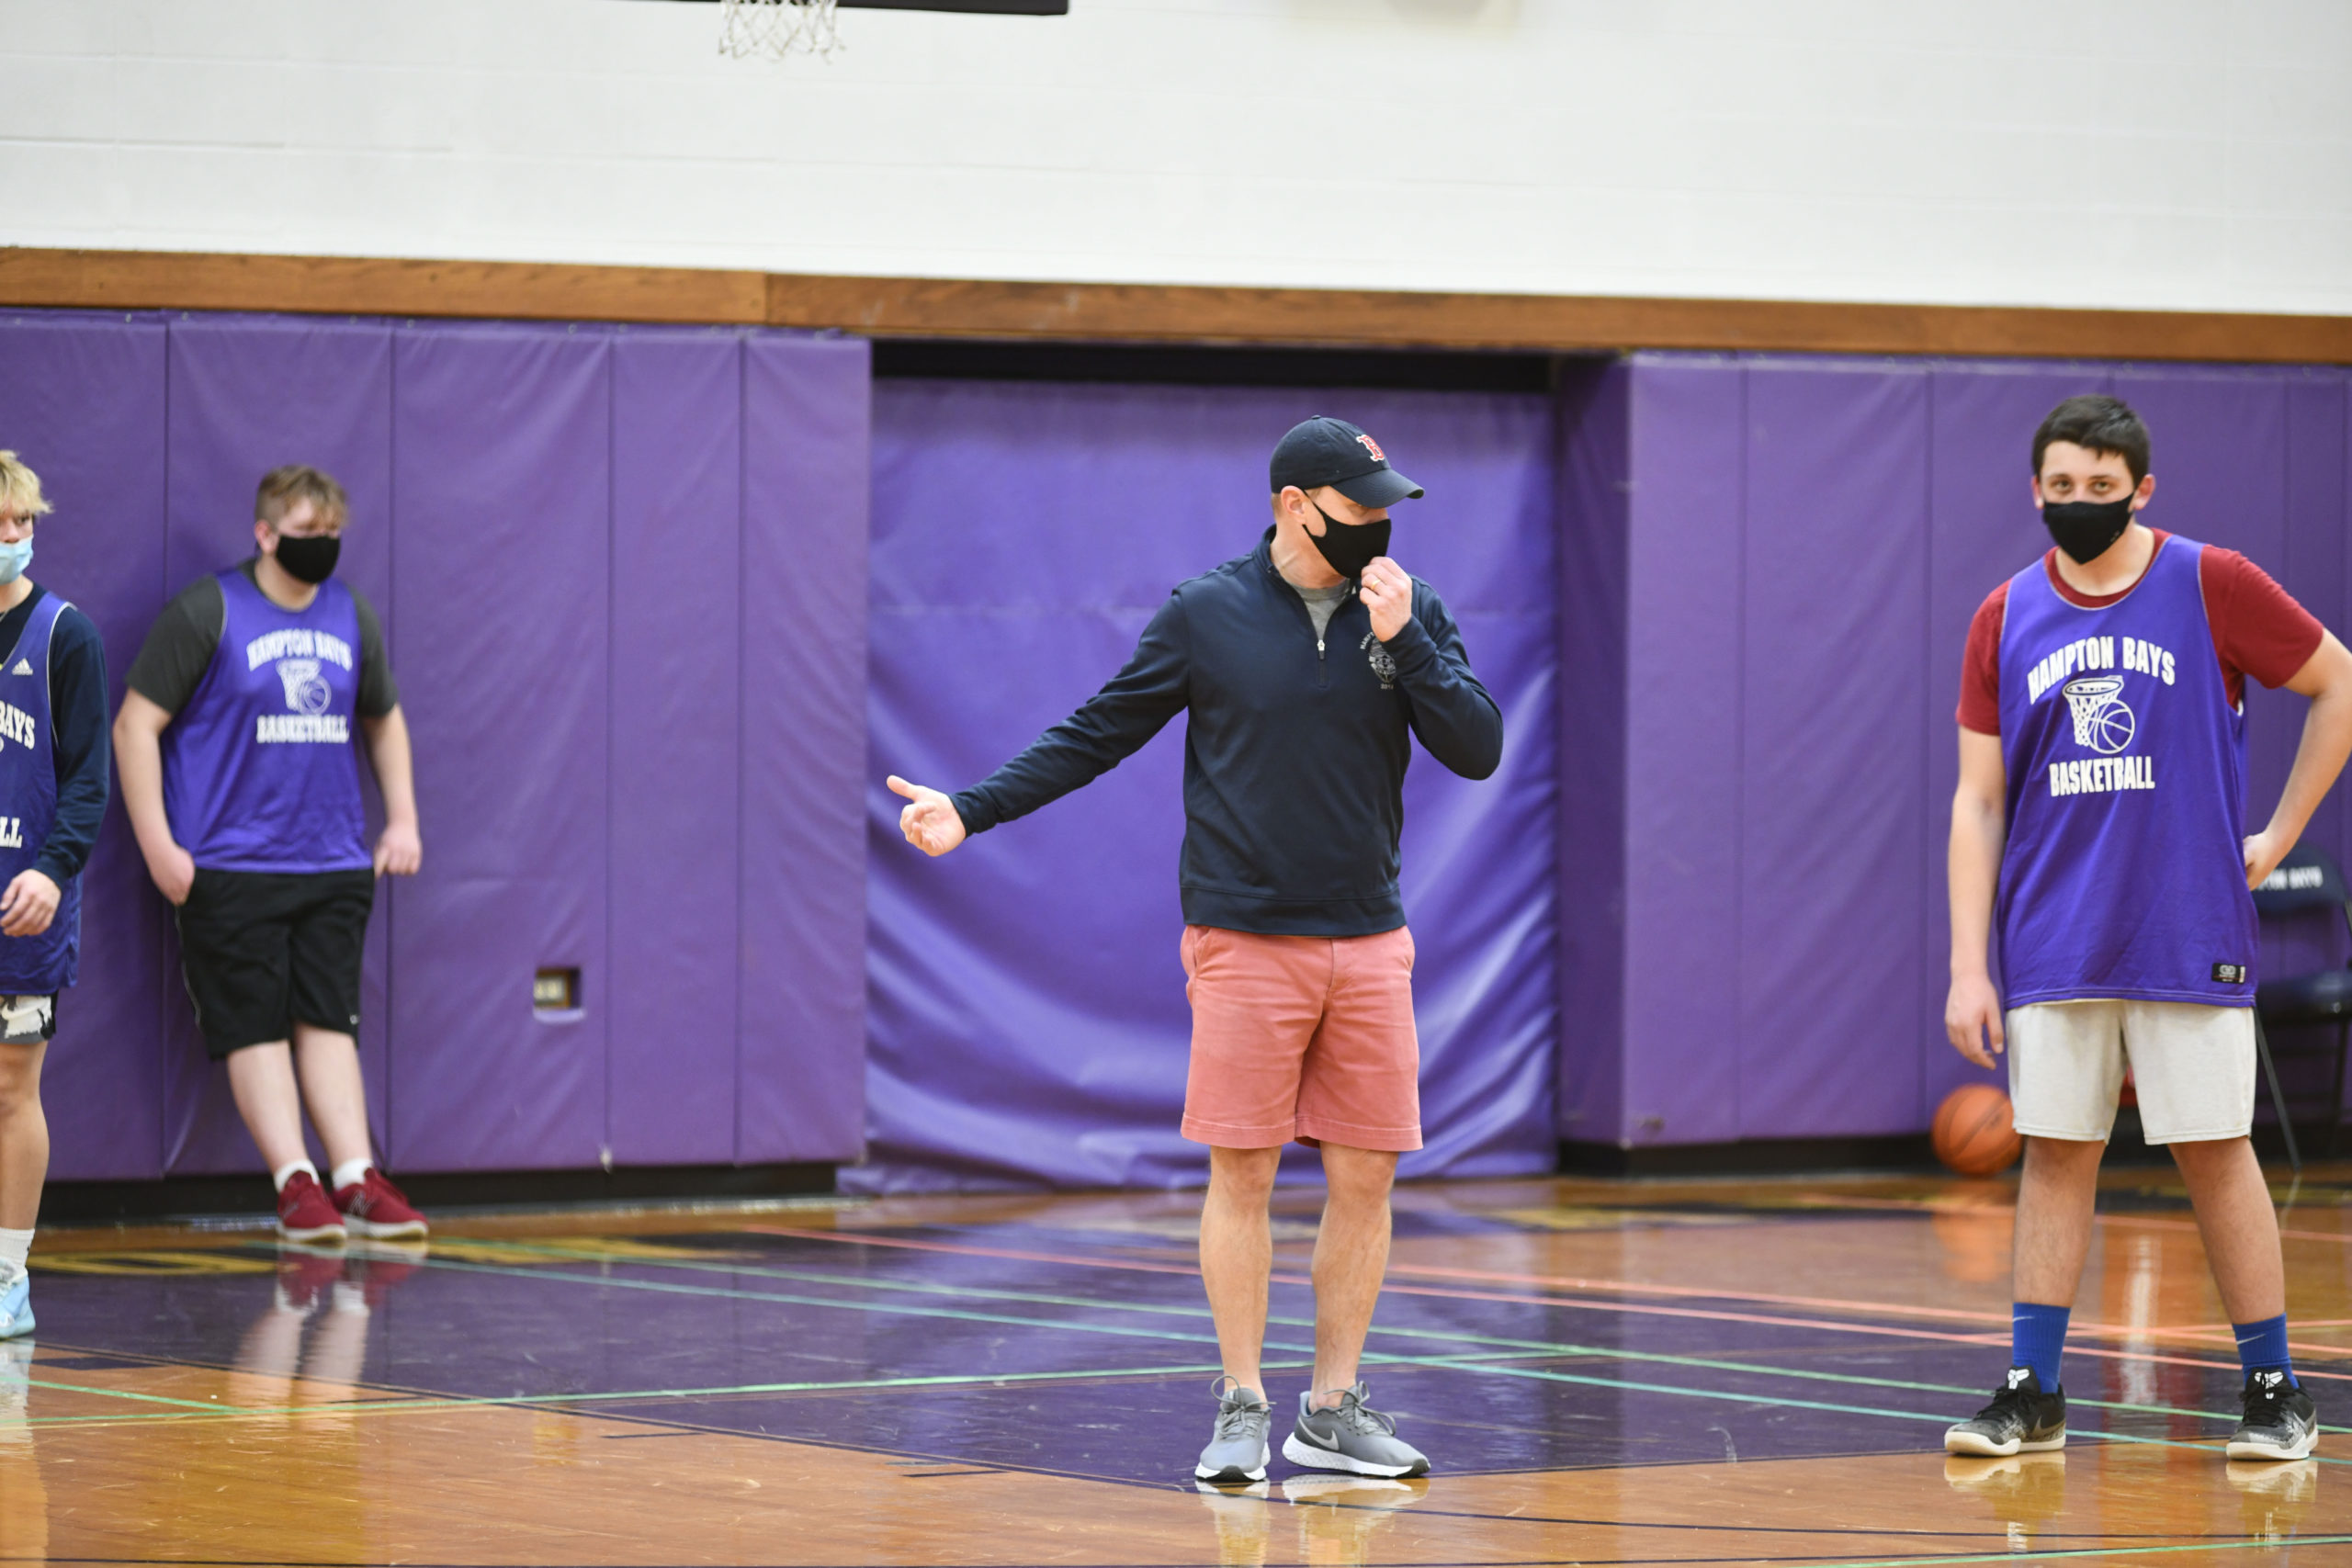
(309, 558)
(1351, 547)
(2086, 529)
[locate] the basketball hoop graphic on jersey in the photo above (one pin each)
(2101, 721)
(305, 693)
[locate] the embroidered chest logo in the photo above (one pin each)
(305, 693)
(1382, 665)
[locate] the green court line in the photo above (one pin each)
(126, 1393)
(1532, 1347)
(429, 1401)
(670, 1288)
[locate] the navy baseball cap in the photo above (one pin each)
(1325, 451)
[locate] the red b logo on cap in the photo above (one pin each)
(1372, 447)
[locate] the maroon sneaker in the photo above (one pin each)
(303, 1212)
(373, 1207)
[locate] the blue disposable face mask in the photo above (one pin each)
(14, 559)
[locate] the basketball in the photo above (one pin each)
(1973, 1132)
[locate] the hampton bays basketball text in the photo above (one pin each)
(2097, 653)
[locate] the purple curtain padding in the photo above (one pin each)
(501, 488)
(1027, 1015)
(807, 408)
(248, 394)
(1595, 407)
(82, 401)
(677, 569)
(1833, 799)
(1682, 750)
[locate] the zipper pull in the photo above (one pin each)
(1318, 647)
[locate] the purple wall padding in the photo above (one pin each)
(1593, 540)
(627, 575)
(502, 508)
(82, 400)
(807, 412)
(1027, 1014)
(246, 394)
(1806, 541)
(2314, 571)
(553, 521)
(1680, 1061)
(676, 751)
(1834, 699)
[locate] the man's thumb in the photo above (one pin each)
(903, 787)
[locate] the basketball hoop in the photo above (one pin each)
(776, 29)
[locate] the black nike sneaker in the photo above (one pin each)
(2022, 1419)
(2280, 1422)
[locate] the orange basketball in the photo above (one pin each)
(1973, 1131)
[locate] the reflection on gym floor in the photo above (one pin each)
(1618, 1371)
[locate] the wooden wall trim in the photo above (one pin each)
(171, 280)
(1106, 312)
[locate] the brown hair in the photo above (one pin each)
(281, 487)
(2099, 424)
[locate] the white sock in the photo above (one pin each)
(351, 1172)
(285, 1173)
(14, 1245)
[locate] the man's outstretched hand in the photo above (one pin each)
(930, 821)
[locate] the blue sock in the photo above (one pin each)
(2038, 1337)
(2262, 1347)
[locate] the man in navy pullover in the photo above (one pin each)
(1306, 666)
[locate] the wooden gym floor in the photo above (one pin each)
(1603, 1372)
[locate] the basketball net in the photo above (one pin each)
(776, 29)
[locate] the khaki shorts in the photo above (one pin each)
(1304, 1037)
(2192, 1066)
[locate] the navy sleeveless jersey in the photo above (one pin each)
(259, 774)
(52, 960)
(2125, 874)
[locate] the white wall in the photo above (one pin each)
(2146, 152)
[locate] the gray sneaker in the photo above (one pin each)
(2280, 1422)
(1355, 1437)
(1237, 1450)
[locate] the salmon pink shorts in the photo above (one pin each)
(1304, 1037)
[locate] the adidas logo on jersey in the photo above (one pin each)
(24, 667)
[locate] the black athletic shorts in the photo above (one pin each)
(263, 951)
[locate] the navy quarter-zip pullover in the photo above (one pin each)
(1294, 753)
